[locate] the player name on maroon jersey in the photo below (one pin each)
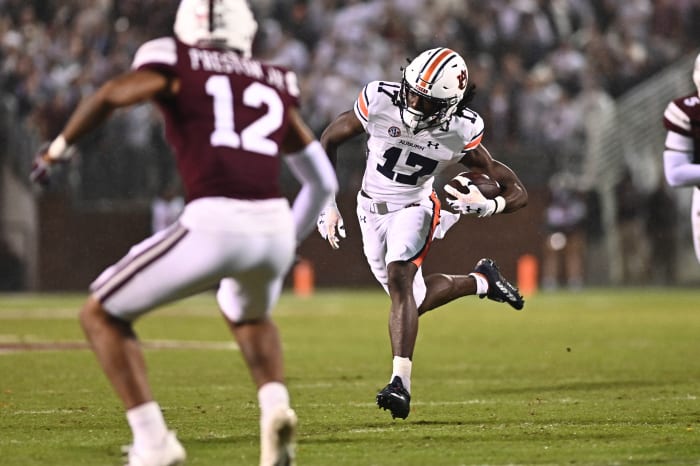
(230, 62)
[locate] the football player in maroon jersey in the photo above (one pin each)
(228, 118)
(682, 152)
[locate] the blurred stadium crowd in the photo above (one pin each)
(538, 65)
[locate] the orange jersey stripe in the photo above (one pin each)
(362, 104)
(474, 143)
(437, 61)
(418, 261)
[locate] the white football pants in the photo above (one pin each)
(247, 246)
(394, 232)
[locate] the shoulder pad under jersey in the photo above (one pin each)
(375, 97)
(162, 51)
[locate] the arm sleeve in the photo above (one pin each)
(679, 168)
(319, 184)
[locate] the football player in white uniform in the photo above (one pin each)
(682, 152)
(416, 129)
(230, 119)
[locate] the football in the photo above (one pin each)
(488, 186)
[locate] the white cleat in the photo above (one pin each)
(169, 453)
(277, 439)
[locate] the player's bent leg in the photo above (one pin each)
(260, 345)
(246, 303)
(261, 348)
(442, 288)
(403, 317)
(403, 331)
(118, 351)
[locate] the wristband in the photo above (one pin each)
(500, 204)
(57, 149)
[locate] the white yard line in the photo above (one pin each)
(8, 345)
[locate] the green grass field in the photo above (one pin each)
(600, 377)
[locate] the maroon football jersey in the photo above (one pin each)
(227, 122)
(682, 116)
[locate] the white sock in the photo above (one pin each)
(482, 286)
(271, 396)
(402, 368)
(147, 425)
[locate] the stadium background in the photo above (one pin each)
(565, 86)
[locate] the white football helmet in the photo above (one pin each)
(439, 76)
(225, 23)
(696, 73)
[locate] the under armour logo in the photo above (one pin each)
(431, 144)
(362, 218)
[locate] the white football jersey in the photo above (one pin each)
(401, 166)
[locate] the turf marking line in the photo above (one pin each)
(26, 346)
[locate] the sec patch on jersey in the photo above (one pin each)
(489, 187)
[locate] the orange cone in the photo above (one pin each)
(303, 278)
(527, 274)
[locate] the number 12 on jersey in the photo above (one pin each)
(254, 137)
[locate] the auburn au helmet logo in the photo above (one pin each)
(462, 79)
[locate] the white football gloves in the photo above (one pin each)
(473, 202)
(330, 224)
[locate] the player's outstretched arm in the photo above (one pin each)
(514, 191)
(125, 90)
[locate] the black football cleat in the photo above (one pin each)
(395, 398)
(500, 289)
